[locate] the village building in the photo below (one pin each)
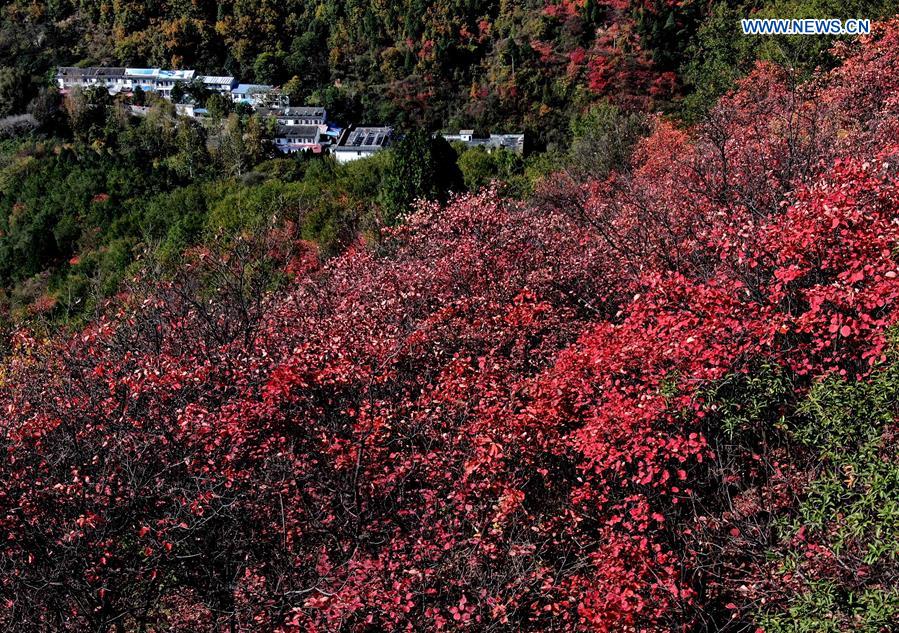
(118, 79)
(258, 95)
(155, 80)
(112, 79)
(510, 142)
(220, 84)
(362, 142)
(161, 82)
(300, 115)
(299, 138)
(248, 93)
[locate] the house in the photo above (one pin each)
(156, 79)
(186, 109)
(510, 142)
(362, 142)
(117, 79)
(113, 79)
(71, 76)
(297, 138)
(220, 84)
(257, 95)
(302, 115)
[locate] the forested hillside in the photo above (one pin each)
(454, 63)
(658, 393)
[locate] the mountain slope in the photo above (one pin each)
(617, 407)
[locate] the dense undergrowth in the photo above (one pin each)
(663, 400)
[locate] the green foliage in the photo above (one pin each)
(602, 139)
(823, 608)
(666, 29)
(855, 501)
(480, 167)
(178, 93)
(745, 403)
(196, 91)
(242, 143)
(219, 106)
(14, 91)
(269, 68)
(420, 167)
(719, 55)
(851, 509)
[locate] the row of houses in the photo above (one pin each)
(297, 129)
(160, 81)
(296, 135)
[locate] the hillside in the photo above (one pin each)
(663, 399)
(454, 64)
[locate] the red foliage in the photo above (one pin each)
(493, 418)
(619, 69)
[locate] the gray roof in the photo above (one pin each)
(366, 138)
(297, 131)
(226, 80)
(513, 142)
(301, 111)
(111, 72)
(75, 72)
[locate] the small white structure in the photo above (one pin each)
(300, 115)
(186, 109)
(299, 138)
(362, 142)
(219, 84)
(510, 142)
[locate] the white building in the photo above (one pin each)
(158, 80)
(220, 84)
(298, 138)
(118, 79)
(362, 142)
(302, 115)
(510, 142)
(113, 79)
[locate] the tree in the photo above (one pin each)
(87, 110)
(197, 91)
(269, 68)
(178, 92)
(14, 91)
(45, 107)
(719, 56)
(138, 96)
(191, 157)
(602, 140)
(420, 167)
(218, 106)
(294, 90)
(243, 143)
(478, 168)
